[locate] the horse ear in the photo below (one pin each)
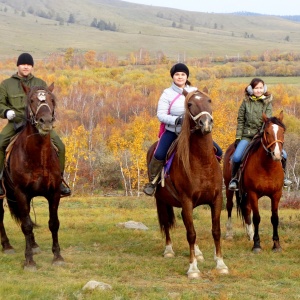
(281, 116)
(51, 87)
(205, 90)
(184, 92)
(26, 89)
(265, 118)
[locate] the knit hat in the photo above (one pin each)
(179, 68)
(25, 59)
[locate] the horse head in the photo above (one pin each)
(273, 135)
(41, 107)
(199, 111)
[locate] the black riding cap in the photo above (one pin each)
(179, 68)
(25, 59)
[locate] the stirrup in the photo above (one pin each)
(287, 182)
(233, 185)
(149, 189)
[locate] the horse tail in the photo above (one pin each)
(14, 209)
(166, 217)
(240, 204)
(15, 212)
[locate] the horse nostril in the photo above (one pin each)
(41, 120)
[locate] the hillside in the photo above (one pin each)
(176, 33)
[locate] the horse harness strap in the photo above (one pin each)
(41, 95)
(269, 145)
(195, 118)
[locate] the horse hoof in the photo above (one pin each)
(9, 251)
(256, 250)
(36, 250)
(223, 271)
(194, 275)
(169, 255)
(30, 267)
(58, 261)
(200, 258)
(229, 237)
(277, 250)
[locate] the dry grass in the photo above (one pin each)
(131, 261)
(139, 27)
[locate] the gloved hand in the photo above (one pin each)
(179, 120)
(236, 142)
(10, 114)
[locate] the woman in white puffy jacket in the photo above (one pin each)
(171, 108)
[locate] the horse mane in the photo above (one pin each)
(183, 140)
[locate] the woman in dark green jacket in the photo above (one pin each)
(249, 122)
(12, 108)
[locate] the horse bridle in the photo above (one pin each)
(195, 118)
(41, 95)
(270, 144)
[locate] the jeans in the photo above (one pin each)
(238, 153)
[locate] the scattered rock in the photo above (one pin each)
(133, 225)
(93, 284)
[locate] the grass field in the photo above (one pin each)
(139, 27)
(95, 248)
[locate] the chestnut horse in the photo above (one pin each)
(261, 175)
(32, 169)
(195, 178)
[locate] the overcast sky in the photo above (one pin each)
(270, 7)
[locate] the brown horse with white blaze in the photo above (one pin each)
(32, 169)
(195, 178)
(261, 175)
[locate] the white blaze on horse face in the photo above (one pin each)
(277, 152)
(41, 95)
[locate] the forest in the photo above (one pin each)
(106, 112)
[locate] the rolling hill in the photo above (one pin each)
(42, 27)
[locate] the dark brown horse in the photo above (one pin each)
(262, 175)
(195, 178)
(32, 169)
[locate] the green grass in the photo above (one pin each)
(95, 248)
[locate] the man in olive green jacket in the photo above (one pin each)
(12, 108)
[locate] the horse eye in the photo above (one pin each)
(189, 104)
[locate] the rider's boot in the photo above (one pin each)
(286, 181)
(155, 167)
(233, 185)
(64, 190)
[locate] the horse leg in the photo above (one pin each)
(187, 217)
(246, 214)
(27, 229)
(216, 233)
(229, 206)
(54, 227)
(275, 221)
(166, 219)
(6, 246)
(34, 246)
(253, 200)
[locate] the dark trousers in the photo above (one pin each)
(165, 141)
